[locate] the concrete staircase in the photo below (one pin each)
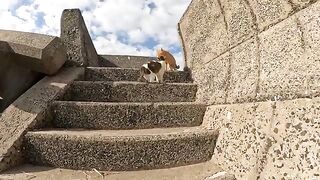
(108, 121)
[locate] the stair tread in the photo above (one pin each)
(134, 83)
(130, 103)
(198, 171)
(155, 133)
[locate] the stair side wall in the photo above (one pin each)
(257, 65)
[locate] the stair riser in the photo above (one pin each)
(131, 116)
(86, 153)
(100, 74)
(136, 92)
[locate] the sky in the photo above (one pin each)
(127, 27)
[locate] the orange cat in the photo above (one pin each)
(168, 58)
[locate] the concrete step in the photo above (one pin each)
(130, 74)
(125, 91)
(200, 171)
(124, 61)
(120, 150)
(102, 115)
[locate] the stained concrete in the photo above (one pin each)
(120, 149)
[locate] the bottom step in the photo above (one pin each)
(192, 172)
(120, 150)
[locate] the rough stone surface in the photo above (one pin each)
(130, 74)
(94, 115)
(213, 80)
(284, 70)
(37, 52)
(244, 71)
(269, 12)
(204, 32)
(242, 136)
(191, 172)
(123, 61)
(123, 91)
(77, 40)
(239, 20)
(120, 150)
(29, 111)
(296, 151)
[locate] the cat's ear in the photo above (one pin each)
(161, 49)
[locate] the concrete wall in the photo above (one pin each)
(76, 38)
(257, 64)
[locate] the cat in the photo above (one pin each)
(168, 58)
(153, 71)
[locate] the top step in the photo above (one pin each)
(130, 74)
(123, 61)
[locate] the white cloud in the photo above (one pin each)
(135, 27)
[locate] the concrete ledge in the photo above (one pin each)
(76, 38)
(130, 74)
(123, 91)
(30, 111)
(120, 150)
(38, 52)
(102, 115)
(123, 61)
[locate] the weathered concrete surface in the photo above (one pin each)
(37, 52)
(131, 74)
(104, 115)
(14, 78)
(28, 112)
(272, 48)
(76, 38)
(267, 139)
(127, 91)
(121, 149)
(123, 61)
(191, 172)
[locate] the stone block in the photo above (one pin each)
(309, 20)
(37, 52)
(212, 80)
(239, 20)
(296, 151)
(204, 32)
(77, 40)
(242, 140)
(269, 12)
(283, 66)
(244, 72)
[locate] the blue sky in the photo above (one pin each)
(135, 27)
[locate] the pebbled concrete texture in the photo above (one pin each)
(30, 111)
(95, 115)
(123, 61)
(120, 150)
(38, 52)
(123, 91)
(269, 140)
(77, 40)
(276, 53)
(130, 74)
(269, 12)
(198, 171)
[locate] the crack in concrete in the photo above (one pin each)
(223, 14)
